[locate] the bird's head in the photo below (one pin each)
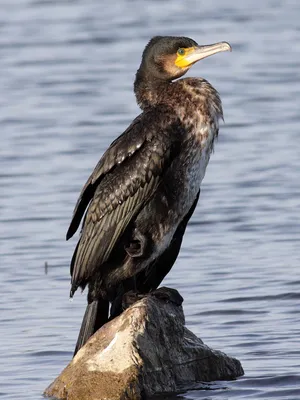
(168, 57)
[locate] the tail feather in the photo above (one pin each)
(96, 315)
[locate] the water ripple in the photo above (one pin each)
(66, 84)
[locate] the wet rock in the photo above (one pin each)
(144, 351)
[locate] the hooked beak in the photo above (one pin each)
(194, 54)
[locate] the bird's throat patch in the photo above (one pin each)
(184, 60)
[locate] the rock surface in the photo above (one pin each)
(144, 351)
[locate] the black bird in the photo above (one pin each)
(145, 187)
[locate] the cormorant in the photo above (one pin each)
(145, 187)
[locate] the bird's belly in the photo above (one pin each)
(174, 199)
(193, 169)
(170, 206)
(194, 175)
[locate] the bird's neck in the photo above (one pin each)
(150, 91)
(188, 97)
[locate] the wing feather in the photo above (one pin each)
(117, 200)
(123, 181)
(119, 151)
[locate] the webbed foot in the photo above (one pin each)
(168, 294)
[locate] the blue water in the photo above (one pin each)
(67, 69)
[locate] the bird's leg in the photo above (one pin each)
(137, 246)
(131, 297)
(124, 297)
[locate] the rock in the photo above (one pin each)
(144, 351)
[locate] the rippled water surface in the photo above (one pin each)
(67, 69)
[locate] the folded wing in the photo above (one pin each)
(123, 181)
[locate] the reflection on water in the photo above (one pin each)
(66, 81)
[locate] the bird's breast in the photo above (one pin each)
(202, 141)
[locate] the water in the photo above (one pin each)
(67, 69)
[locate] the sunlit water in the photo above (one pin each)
(67, 69)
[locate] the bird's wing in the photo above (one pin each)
(121, 192)
(150, 278)
(119, 151)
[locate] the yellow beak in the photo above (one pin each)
(194, 54)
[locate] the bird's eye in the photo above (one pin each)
(181, 52)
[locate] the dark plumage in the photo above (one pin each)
(146, 186)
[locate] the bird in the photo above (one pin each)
(138, 200)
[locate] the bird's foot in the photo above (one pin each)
(163, 293)
(168, 294)
(131, 297)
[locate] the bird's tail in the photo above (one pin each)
(95, 316)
